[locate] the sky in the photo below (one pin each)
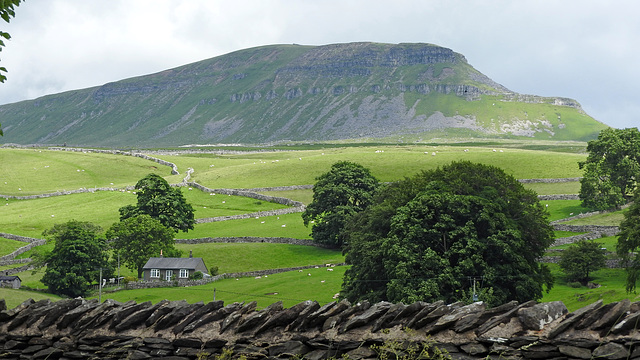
(587, 50)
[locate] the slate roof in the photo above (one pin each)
(190, 263)
(9, 278)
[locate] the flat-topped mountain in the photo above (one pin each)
(298, 93)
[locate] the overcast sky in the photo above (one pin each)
(587, 50)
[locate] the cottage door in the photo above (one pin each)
(168, 275)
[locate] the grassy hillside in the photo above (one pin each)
(275, 168)
(283, 93)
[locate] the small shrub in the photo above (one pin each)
(213, 270)
(128, 279)
(197, 275)
(574, 284)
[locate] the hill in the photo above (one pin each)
(276, 93)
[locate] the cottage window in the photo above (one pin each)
(155, 273)
(184, 273)
(168, 275)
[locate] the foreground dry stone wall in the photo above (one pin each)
(86, 329)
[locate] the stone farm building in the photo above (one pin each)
(13, 282)
(163, 268)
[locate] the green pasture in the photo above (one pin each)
(612, 288)
(387, 163)
(32, 217)
(562, 209)
(304, 196)
(571, 187)
(29, 170)
(15, 297)
(240, 257)
(613, 218)
(208, 205)
(7, 246)
(289, 287)
(40, 171)
(289, 226)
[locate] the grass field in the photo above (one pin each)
(14, 297)
(41, 171)
(612, 288)
(289, 287)
(240, 257)
(396, 162)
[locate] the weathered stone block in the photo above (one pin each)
(539, 315)
(611, 351)
(575, 352)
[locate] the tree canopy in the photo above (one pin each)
(428, 237)
(611, 170)
(628, 247)
(347, 188)
(159, 200)
(77, 257)
(7, 11)
(138, 238)
(579, 260)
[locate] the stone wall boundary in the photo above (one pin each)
(292, 210)
(250, 239)
(249, 194)
(174, 167)
(559, 197)
(549, 181)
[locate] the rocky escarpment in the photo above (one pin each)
(297, 93)
(77, 328)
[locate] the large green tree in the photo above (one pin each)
(161, 201)
(628, 247)
(138, 238)
(579, 260)
(76, 259)
(428, 237)
(347, 188)
(611, 170)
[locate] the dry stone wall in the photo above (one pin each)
(86, 329)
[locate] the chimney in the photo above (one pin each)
(190, 253)
(161, 253)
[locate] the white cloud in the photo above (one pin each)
(583, 49)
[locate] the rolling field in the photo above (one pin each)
(36, 171)
(387, 163)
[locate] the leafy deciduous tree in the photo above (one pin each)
(580, 259)
(425, 237)
(347, 188)
(612, 168)
(138, 238)
(77, 257)
(628, 247)
(7, 11)
(161, 201)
